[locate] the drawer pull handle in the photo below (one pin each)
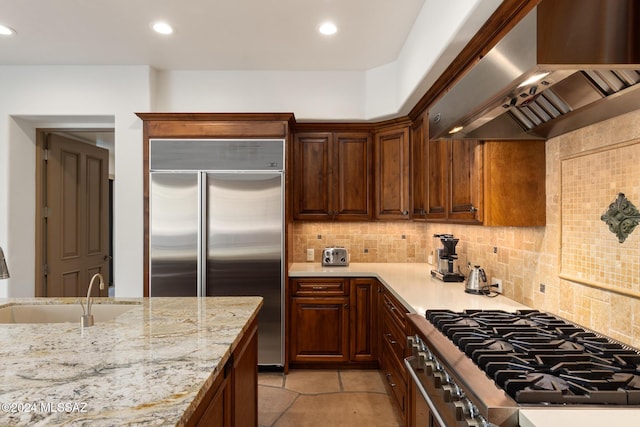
(319, 288)
(391, 341)
(392, 384)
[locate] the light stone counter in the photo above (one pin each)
(412, 284)
(149, 366)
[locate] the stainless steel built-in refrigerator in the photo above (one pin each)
(216, 226)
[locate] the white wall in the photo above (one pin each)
(70, 96)
(440, 32)
(318, 95)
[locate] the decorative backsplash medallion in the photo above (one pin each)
(621, 217)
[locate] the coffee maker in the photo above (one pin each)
(445, 259)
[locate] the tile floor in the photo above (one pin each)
(337, 398)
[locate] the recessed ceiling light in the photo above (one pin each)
(328, 28)
(6, 31)
(162, 28)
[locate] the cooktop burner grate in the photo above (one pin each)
(540, 358)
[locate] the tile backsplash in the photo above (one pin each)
(599, 287)
(366, 241)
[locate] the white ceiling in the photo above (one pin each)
(209, 34)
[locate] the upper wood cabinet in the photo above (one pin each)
(514, 183)
(493, 183)
(392, 173)
(331, 175)
(465, 181)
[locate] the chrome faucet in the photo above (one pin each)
(87, 317)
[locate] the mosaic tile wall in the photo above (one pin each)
(529, 259)
(366, 241)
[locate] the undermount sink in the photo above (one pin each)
(60, 313)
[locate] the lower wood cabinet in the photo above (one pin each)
(333, 321)
(349, 321)
(393, 348)
(232, 400)
(319, 329)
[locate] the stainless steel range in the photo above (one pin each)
(476, 368)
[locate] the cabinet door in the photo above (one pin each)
(363, 321)
(351, 170)
(419, 169)
(218, 410)
(312, 183)
(245, 380)
(437, 180)
(392, 174)
(465, 181)
(319, 329)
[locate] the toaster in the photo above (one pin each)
(335, 255)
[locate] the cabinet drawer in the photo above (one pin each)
(323, 287)
(394, 379)
(394, 309)
(394, 339)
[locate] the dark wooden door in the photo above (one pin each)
(77, 216)
(351, 166)
(419, 169)
(312, 190)
(465, 180)
(392, 174)
(363, 297)
(319, 329)
(437, 179)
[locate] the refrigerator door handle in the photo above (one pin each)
(202, 234)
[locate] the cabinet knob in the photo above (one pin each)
(346, 305)
(405, 212)
(473, 209)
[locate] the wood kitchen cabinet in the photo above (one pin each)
(363, 325)
(332, 175)
(393, 347)
(332, 321)
(493, 183)
(448, 176)
(392, 172)
(232, 400)
(319, 321)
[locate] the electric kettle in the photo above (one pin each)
(477, 281)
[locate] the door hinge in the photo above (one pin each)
(46, 212)
(45, 269)
(45, 155)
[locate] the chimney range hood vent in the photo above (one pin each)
(566, 65)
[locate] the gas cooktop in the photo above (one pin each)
(539, 358)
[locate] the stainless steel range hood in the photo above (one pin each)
(566, 65)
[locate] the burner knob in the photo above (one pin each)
(465, 409)
(479, 421)
(422, 358)
(452, 392)
(442, 378)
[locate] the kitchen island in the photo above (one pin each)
(158, 363)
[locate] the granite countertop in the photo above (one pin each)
(149, 366)
(412, 284)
